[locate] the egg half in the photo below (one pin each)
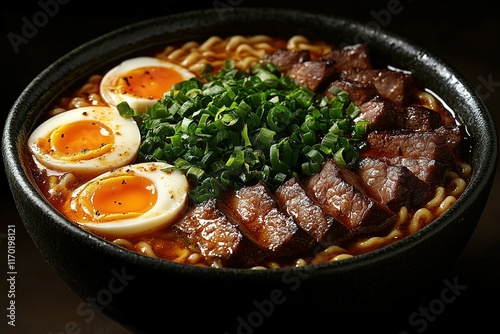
(130, 200)
(87, 140)
(141, 81)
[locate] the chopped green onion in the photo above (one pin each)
(265, 138)
(125, 110)
(238, 128)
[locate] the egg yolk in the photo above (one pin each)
(125, 195)
(149, 82)
(81, 140)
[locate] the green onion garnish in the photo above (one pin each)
(237, 128)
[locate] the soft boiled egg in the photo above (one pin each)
(88, 140)
(141, 81)
(130, 200)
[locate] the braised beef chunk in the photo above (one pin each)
(294, 201)
(313, 74)
(339, 192)
(392, 85)
(358, 92)
(285, 59)
(210, 230)
(351, 56)
(443, 144)
(259, 218)
(427, 170)
(392, 185)
(420, 118)
(381, 114)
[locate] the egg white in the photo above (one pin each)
(171, 188)
(113, 95)
(122, 151)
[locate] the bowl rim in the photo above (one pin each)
(114, 45)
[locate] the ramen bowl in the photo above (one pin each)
(150, 295)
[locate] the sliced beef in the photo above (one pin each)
(285, 59)
(393, 85)
(313, 74)
(298, 65)
(216, 237)
(294, 201)
(259, 218)
(358, 92)
(392, 185)
(381, 114)
(339, 192)
(420, 118)
(427, 170)
(351, 56)
(443, 144)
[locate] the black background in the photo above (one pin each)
(466, 35)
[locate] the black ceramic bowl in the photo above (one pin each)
(150, 295)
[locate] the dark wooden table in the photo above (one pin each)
(466, 35)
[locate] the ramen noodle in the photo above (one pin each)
(246, 51)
